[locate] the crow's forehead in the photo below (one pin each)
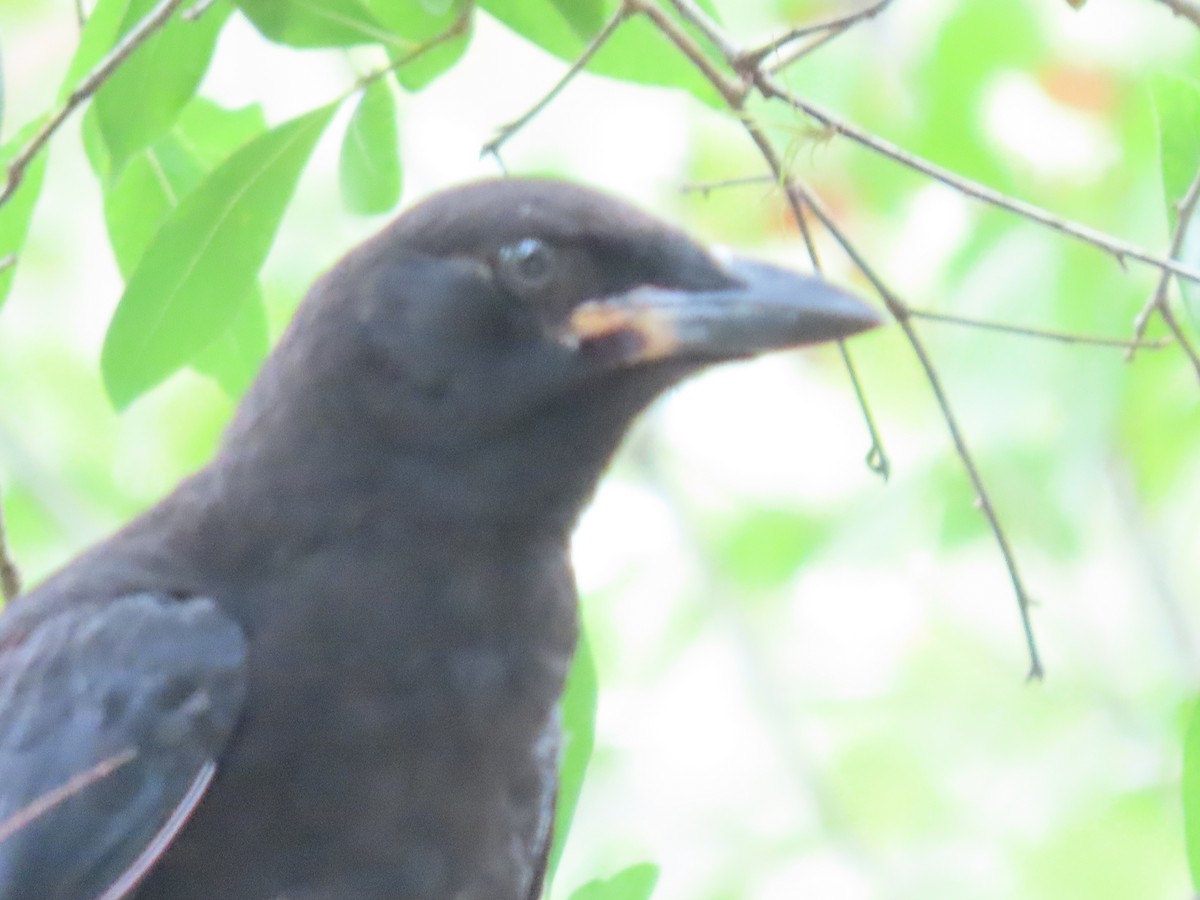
(487, 214)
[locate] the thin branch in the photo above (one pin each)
(1189, 9)
(144, 29)
(796, 193)
(506, 131)
(704, 188)
(751, 59)
(799, 52)
(56, 796)
(904, 320)
(459, 26)
(770, 88)
(733, 91)
(80, 15)
(10, 576)
(1119, 249)
(1063, 337)
(7, 262)
(877, 459)
(1186, 209)
(767, 149)
(1180, 336)
(835, 27)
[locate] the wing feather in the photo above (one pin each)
(112, 717)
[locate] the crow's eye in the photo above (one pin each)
(527, 265)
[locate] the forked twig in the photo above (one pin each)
(770, 88)
(1158, 299)
(898, 309)
(752, 58)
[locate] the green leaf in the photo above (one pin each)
(233, 359)
(316, 23)
(147, 192)
(211, 132)
(370, 161)
(1191, 794)
(144, 195)
(16, 214)
(586, 17)
(1177, 108)
(635, 883)
(193, 277)
(579, 736)
(141, 100)
(637, 51)
(152, 184)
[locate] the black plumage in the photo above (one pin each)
(328, 664)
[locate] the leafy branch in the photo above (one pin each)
(92, 82)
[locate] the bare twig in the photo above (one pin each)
(904, 319)
(704, 188)
(138, 35)
(1063, 337)
(877, 459)
(507, 130)
(799, 51)
(10, 576)
(751, 59)
(770, 87)
(1119, 249)
(767, 149)
(459, 26)
(734, 91)
(796, 193)
(1189, 9)
(1186, 208)
(72, 786)
(7, 262)
(80, 15)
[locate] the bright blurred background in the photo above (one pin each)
(812, 681)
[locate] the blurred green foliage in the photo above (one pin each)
(810, 685)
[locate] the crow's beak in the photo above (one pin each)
(763, 308)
